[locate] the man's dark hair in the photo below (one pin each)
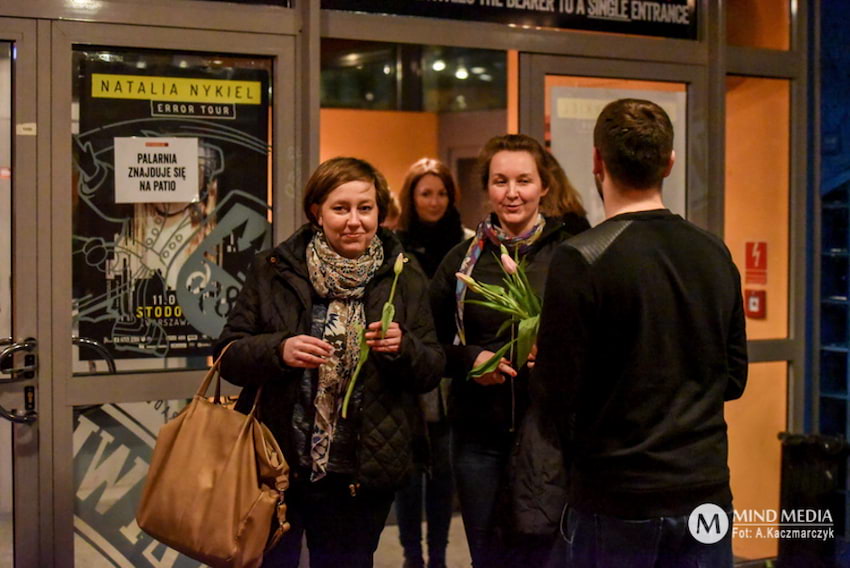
(635, 139)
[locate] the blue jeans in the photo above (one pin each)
(480, 467)
(663, 542)
(438, 489)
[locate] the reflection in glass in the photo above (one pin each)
(463, 79)
(390, 76)
(154, 278)
(113, 445)
(6, 532)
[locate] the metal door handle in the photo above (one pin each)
(97, 347)
(27, 417)
(25, 371)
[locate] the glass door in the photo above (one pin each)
(21, 430)
(168, 147)
(560, 98)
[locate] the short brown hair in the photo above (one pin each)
(417, 171)
(333, 173)
(561, 198)
(635, 139)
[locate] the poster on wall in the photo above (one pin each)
(660, 18)
(155, 277)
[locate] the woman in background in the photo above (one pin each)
(429, 227)
(531, 217)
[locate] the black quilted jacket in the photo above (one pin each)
(276, 303)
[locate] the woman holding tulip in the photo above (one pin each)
(337, 332)
(531, 216)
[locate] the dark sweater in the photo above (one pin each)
(642, 340)
(477, 410)
(430, 242)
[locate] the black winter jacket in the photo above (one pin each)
(276, 303)
(477, 410)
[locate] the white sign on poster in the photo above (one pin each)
(156, 170)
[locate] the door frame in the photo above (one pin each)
(31, 455)
(533, 69)
(68, 390)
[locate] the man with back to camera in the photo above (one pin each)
(641, 341)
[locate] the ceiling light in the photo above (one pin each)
(438, 65)
(478, 70)
(461, 73)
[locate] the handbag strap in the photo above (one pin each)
(215, 371)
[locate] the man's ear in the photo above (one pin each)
(314, 209)
(669, 167)
(598, 167)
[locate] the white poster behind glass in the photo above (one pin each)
(573, 116)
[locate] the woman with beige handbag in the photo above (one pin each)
(308, 320)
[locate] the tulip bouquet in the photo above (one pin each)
(517, 299)
(387, 315)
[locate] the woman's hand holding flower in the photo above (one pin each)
(305, 351)
(496, 377)
(391, 342)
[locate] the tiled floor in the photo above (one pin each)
(389, 554)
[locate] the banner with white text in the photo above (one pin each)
(660, 18)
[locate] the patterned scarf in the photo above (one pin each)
(488, 231)
(342, 281)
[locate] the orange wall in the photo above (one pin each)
(756, 199)
(389, 140)
(756, 209)
(754, 449)
(759, 23)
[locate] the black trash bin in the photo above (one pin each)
(813, 470)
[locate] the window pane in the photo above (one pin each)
(155, 274)
(759, 23)
(756, 198)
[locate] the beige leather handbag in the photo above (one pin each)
(216, 484)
